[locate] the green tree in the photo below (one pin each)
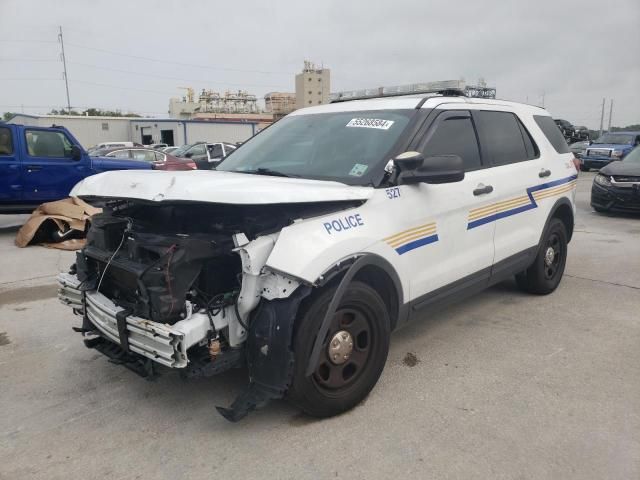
(7, 116)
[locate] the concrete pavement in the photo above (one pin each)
(503, 385)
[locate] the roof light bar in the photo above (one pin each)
(445, 87)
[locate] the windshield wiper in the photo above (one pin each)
(266, 171)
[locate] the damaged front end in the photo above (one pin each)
(184, 286)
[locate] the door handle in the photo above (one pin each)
(33, 168)
(544, 173)
(482, 189)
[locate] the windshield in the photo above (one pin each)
(349, 147)
(633, 157)
(180, 151)
(616, 139)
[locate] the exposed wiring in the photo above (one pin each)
(124, 234)
(235, 306)
(167, 274)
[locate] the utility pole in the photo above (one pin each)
(610, 113)
(64, 64)
(602, 117)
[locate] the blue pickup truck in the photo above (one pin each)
(42, 164)
(608, 148)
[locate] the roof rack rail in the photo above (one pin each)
(449, 88)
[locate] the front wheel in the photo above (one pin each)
(544, 275)
(354, 351)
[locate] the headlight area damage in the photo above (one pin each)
(184, 286)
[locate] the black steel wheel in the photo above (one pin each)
(353, 354)
(544, 275)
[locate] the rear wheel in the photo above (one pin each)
(544, 275)
(353, 354)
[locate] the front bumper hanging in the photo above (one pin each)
(165, 344)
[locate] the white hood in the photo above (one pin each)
(215, 187)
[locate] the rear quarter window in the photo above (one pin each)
(552, 132)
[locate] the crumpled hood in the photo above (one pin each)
(215, 187)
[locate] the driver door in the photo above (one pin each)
(461, 257)
(49, 171)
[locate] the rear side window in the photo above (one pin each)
(454, 136)
(501, 138)
(6, 142)
(552, 132)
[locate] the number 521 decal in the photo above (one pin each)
(393, 192)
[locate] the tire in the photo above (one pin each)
(544, 275)
(335, 388)
(599, 209)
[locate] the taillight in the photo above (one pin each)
(192, 165)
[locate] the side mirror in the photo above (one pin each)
(76, 152)
(436, 169)
(408, 161)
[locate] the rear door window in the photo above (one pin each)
(6, 141)
(553, 134)
(501, 137)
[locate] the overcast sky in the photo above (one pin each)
(133, 55)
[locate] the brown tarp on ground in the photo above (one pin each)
(51, 218)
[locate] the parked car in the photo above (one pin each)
(106, 145)
(608, 148)
(616, 187)
(170, 149)
(42, 164)
(158, 146)
(567, 129)
(582, 133)
(578, 148)
(159, 160)
(206, 155)
(306, 247)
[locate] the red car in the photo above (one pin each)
(160, 160)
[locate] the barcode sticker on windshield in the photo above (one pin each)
(370, 123)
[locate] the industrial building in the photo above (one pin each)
(279, 103)
(93, 130)
(313, 86)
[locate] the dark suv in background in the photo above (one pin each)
(567, 129)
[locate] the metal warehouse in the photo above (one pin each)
(93, 130)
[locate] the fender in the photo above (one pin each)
(362, 261)
(563, 201)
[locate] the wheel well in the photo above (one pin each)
(565, 214)
(382, 283)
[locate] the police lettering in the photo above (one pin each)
(343, 223)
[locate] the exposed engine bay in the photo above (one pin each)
(179, 284)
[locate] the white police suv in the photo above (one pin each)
(317, 238)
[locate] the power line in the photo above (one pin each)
(26, 41)
(152, 75)
(27, 60)
(157, 60)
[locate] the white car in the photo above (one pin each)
(318, 237)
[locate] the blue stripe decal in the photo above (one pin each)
(524, 208)
(417, 243)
